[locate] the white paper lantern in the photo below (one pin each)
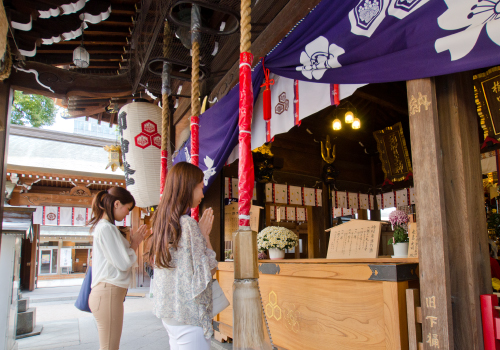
(81, 57)
(140, 133)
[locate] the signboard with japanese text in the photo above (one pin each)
(487, 96)
(413, 240)
(355, 239)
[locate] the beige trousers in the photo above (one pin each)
(106, 304)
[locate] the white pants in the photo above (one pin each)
(187, 338)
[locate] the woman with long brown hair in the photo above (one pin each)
(113, 260)
(184, 261)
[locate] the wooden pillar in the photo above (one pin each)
(450, 215)
(28, 260)
(135, 220)
(6, 96)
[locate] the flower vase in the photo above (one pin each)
(400, 250)
(276, 254)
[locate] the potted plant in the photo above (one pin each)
(276, 240)
(399, 240)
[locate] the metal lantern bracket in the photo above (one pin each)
(202, 4)
(152, 64)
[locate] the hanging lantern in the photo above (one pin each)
(337, 125)
(139, 124)
(81, 57)
(349, 117)
(356, 123)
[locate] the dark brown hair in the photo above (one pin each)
(176, 200)
(104, 202)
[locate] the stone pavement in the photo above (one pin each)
(67, 328)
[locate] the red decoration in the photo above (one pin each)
(148, 136)
(387, 182)
(296, 103)
(336, 97)
(142, 140)
(149, 127)
(195, 156)
(266, 99)
(245, 167)
(490, 140)
(163, 171)
(491, 322)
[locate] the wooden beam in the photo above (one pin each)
(152, 43)
(47, 199)
(288, 17)
(76, 178)
(92, 43)
(116, 24)
(122, 12)
(103, 67)
(380, 101)
(91, 51)
(65, 83)
(105, 33)
(6, 97)
(99, 118)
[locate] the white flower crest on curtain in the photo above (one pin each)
(472, 16)
(209, 163)
(318, 56)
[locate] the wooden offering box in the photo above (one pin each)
(330, 304)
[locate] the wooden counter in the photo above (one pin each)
(330, 304)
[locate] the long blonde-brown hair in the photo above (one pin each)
(177, 198)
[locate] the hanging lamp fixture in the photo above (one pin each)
(349, 117)
(356, 124)
(81, 57)
(337, 125)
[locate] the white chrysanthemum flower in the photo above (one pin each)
(276, 237)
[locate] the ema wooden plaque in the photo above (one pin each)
(413, 240)
(356, 239)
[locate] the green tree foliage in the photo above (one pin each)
(32, 110)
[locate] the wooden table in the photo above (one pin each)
(330, 304)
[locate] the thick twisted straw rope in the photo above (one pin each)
(195, 79)
(167, 39)
(246, 27)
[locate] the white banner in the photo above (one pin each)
(50, 216)
(65, 216)
(66, 260)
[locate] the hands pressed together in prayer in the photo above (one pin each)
(206, 223)
(137, 237)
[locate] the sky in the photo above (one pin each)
(61, 124)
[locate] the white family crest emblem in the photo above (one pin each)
(318, 56)
(471, 16)
(209, 163)
(367, 15)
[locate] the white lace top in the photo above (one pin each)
(184, 293)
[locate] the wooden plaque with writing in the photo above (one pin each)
(231, 221)
(356, 239)
(413, 240)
